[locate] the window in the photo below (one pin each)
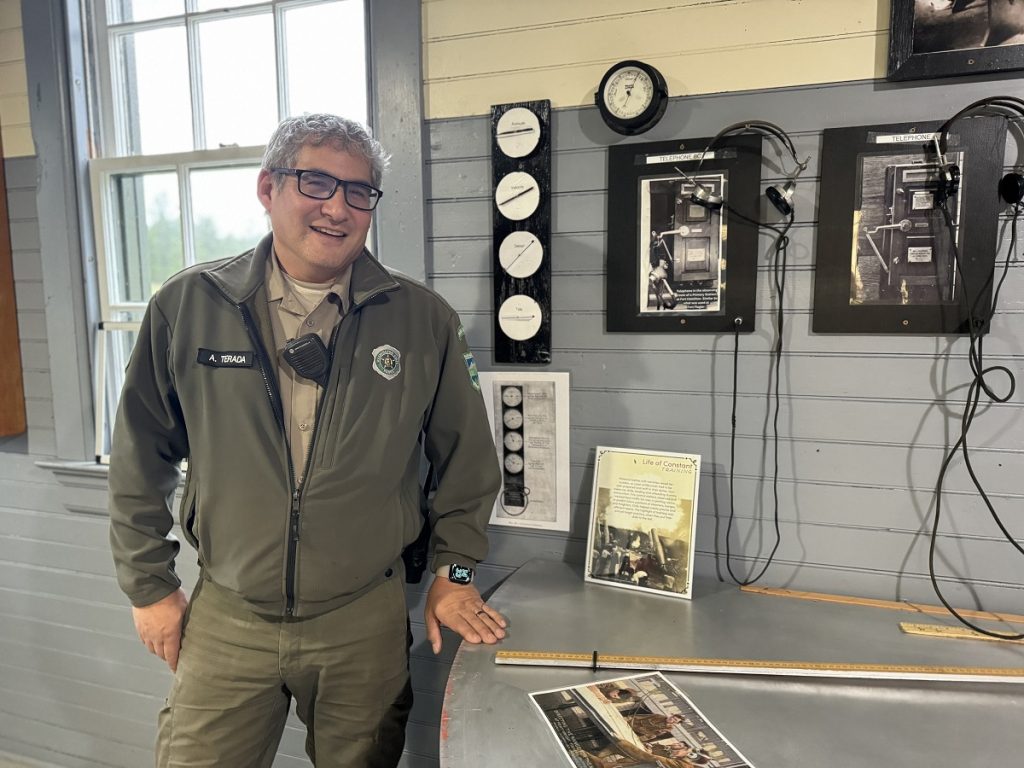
(184, 92)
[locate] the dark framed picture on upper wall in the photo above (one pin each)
(939, 38)
(891, 256)
(673, 264)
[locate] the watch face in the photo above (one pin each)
(517, 195)
(513, 441)
(517, 132)
(512, 418)
(520, 254)
(519, 317)
(511, 396)
(514, 463)
(460, 574)
(628, 92)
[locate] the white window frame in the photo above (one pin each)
(111, 131)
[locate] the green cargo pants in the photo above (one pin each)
(238, 671)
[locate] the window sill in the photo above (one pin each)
(87, 476)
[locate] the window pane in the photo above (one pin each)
(320, 40)
(152, 87)
(226, 216)
(147, 219)
(239, 80)
(119, 11)
(209, 5)
(116, 348)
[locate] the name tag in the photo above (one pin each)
(217, 359)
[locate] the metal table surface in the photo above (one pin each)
(776, 722)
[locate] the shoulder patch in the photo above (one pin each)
(461, 333)
(474, 374)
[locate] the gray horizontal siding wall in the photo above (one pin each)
(865, 421)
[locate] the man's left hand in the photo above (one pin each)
(460, 608)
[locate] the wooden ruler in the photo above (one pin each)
(952, 633)
(891, 605)
(595, 660)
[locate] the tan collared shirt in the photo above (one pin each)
(298, 308)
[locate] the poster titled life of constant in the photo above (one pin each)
(642, 519)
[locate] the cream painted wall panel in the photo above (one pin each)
(839, 60)
(478, 54)
(14, 113)
(10, 14)
(12, 46)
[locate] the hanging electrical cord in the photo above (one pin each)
(779, 278)
(977, 386)
(782, 201)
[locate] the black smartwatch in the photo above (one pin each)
(460, 574)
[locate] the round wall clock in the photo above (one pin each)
(632, 97)
(517, 132)
(520, 254)
(519, 317)
(517, 195)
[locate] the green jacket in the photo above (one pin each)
(201, 385)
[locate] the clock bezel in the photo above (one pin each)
(631, 126)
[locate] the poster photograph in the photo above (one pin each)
(896, 251)
(685, 242)
(529, 414)
(642, 720)
(642, 519)
(937, 38)
(903, 253)
(674, 265)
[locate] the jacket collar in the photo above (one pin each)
(239, 278)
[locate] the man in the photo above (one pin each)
(302, 381)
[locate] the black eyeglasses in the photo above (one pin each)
(322, 186)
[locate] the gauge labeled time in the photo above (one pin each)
(517, 195)
(519, 317)
(513, 441)
(512, 418)
(520, 254)
(517, 132)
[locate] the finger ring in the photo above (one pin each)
(481, 611)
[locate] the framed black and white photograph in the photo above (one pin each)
(939, 38)
(888, 246)
(673, 264)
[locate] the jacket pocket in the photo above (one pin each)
(187, 515)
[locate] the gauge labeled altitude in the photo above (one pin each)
(520, 254)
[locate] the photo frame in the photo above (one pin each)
(643, 517)
(672, 264)
(885, 256)
(942, 38)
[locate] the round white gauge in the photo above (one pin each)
(512, 418)
(511, 396)
(628, 92)
(514, 441)
(517, 195)
(519, 317)
(520, 254)
(517, 132)
(514, 463)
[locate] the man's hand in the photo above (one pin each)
(159, 626)
(460, 608)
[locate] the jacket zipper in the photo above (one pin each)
(270, 383)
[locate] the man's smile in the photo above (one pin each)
(328, 232)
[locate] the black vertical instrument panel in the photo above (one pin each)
(521, 182)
